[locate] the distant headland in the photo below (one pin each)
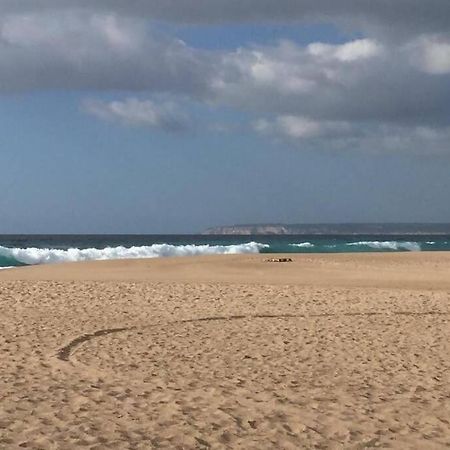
(333, 229)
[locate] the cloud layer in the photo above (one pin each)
(394, 82)
(399, 16)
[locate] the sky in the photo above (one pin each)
(144, 116)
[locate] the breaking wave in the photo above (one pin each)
(14, 256)
(31, 256)
(388, 245)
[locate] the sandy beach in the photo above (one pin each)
(339, 351)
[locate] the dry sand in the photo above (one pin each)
(329, 351)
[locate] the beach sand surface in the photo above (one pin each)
(345, 351)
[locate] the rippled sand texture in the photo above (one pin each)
(147, 364)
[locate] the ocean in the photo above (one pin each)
(21, 250)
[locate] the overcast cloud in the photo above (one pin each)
(104, 52)
(397, 16)
(394, 80)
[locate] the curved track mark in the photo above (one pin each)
(65, 352)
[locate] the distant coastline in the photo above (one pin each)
(332, 229)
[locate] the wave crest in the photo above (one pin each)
(31, 256)
(389, 245)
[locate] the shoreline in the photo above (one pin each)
(416, 270)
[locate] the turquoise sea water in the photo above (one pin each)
(29, 250)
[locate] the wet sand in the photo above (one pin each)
(329, 351)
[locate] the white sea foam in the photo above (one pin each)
(389, 245)
(303, 245)
(4, 268)
(46, 255)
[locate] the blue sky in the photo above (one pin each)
(145, 120)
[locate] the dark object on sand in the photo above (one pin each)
(279, 260)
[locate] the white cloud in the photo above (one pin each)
(432, 54)
(301, 128)
(54, 30)
(143, 113)
(358, 81)
(348, 52)
(304, 133)
(266, 71)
